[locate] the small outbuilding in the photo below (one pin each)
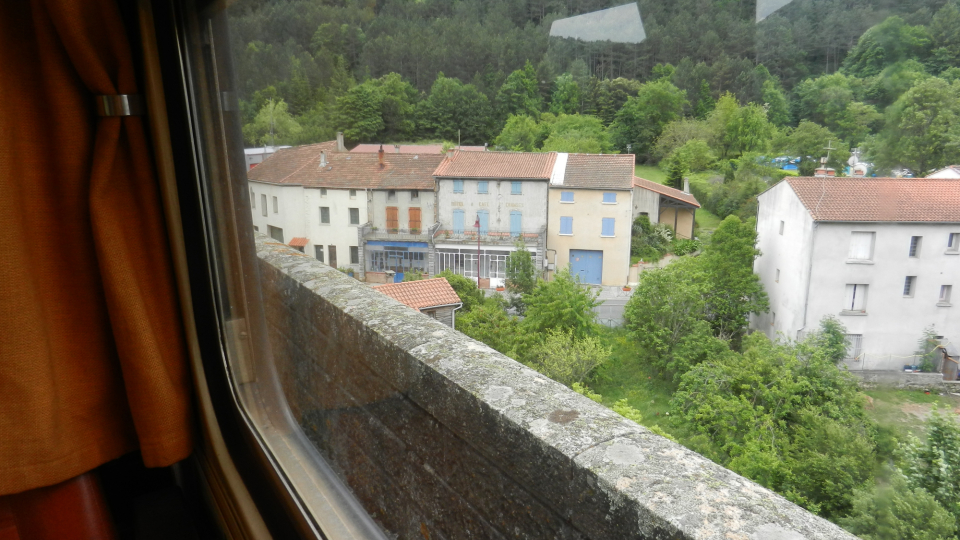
(433, 297)
(949, 360)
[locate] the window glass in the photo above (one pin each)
(253, 199)
(414, 194)
(276, 205)
(354, 216)
(353, 194)
(953, 242)
(566, 225)
(566, 196)
(325, 215)
(391, 195)
(323, 192)
(609, 197)
(319, 252)
(608, 227)
(908, 284)
(945, 291)
(915, 242)
(263, 204)
(354, 255)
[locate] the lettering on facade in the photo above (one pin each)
(514, 205)
(484, 204)
(456, 203)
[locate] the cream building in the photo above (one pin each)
(591, 216)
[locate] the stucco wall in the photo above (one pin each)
(498, 200)
(588, 211)
(681, 219)
(647, 201)
(425, 201)
(438, 435)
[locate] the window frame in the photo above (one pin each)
(458, 186)
(483, 187)
(516, 187)
(566, 222)
(605, 197)
(327, 222)
(860, 292)
(916, 247)
(351, 211)
(782, 224)
(852, 251)
(276, 205)
(946, 291)
(564, 194)
(354, 254)
(953, 243)
(603, 227)
(909, 286)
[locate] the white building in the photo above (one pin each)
(255, 156)
(881, 254)
(953, 171)
(321, 200)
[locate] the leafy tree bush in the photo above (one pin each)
(648, 241)
(685, 246)
(562, 303)
(893, 510)
(413, 275)
(489, 323)
(696, 155)
(520, 94)
(519, 134)
(273, 125)
(927, 349)
(934, 465)
(676, 168)
(455, 110)
(521, 277)
(566, 359)
(466, 289)
(643, 117)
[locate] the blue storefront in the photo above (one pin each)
(398, 257)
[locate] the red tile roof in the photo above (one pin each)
(425, 293)
(301, 166)
(298, 241)
(598, 171)
(508, 165)
(411, 148)
(666, 191)
(879, 199)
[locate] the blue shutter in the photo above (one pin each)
(484, 221)
(566, 196)
(609, 197)
(458, 186)
(608, 224)
(566, 225)
(515, 188)
(516, 219)
(482, 186)
(458, 222)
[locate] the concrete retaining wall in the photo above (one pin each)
(910, 381)
(440, 436)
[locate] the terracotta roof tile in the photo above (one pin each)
(519, 165)
(411, 148)
(298, 241)
(666, 191)
(301, 166)
(424, 293)
(599, 171)
(879, 199)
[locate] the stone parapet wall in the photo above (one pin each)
(440, 436)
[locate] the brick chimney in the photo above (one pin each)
(340, 146)
(380, 156)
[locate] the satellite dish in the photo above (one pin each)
(853, 160)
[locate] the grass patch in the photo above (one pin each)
(706, 220)
(905, 411)
(651, 173)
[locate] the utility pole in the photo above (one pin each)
(477, 225)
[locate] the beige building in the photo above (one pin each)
(590, 209)
(664, 204)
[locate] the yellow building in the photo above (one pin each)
(590, 215)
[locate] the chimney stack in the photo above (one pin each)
(686, 185)
(340, 146)
(323, 159)
(380, 156)
(397, 147)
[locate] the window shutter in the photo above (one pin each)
(566, 225)
(861, 246)
(516, 220)
(608, 227)
(484, 221)
(392, 219)
(609, 197)
(515, 188)
(458, 222)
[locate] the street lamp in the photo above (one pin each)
(477, 225)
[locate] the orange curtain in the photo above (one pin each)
(92, 354)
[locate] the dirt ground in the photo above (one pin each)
(909, 409)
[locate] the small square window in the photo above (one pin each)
(915, 242)
(909, 284)
(516, 188)
(609, 198)
(566, 196)
(482, 186)
(354, 255)
(566, 225)
(458, 186)
(324, 215)
(608, 227)
(353, 194)
(778, 276)
(354, 216)
(781, 227)
(391, 194)
(256, 229)
(861, 246)
(945, 291)
(276, 205)
(323, 193)
(414, 194)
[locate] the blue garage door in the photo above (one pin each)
(588, 264)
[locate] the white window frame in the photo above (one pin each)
(350, 212)
(945, 292)
(855, 299)
(322, 208)
(861, 247)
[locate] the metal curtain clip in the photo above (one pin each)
(120, 105)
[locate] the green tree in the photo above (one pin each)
(857, 121)
(705, 101)
(885, 44)
(273, 125)
(566, 96)
(489, 323)
(735, 291)
(927, 349)
(945, 37)
(893, 511)
(696, 156)
(360, 114)
(678, 133)
(521, 277)
(567, 359)
(519, 134)
(398, 107)
(823, 100)
(777, 107)
(562, 303)
(579, 133)
(830, 339)
(453, 111)
(643, 117)
(520, 94)
(748, 131)
(667, 315)
(676, 168)
(466, 289)
(808, 141)
(934, 464)
(922, 130)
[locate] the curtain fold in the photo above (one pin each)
(92, 354)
